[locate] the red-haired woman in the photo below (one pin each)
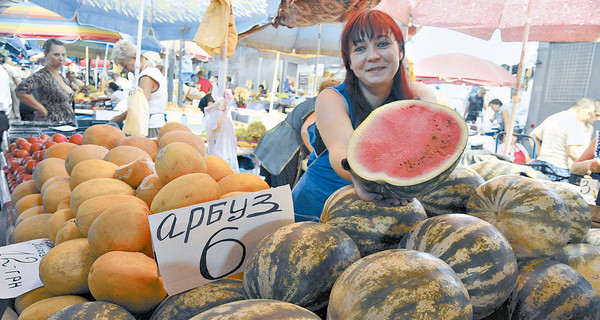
(372, 51)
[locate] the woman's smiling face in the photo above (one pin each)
(376, 60)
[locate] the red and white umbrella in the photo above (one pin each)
(460, 68)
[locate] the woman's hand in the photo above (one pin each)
(41, 112)
(378, 199)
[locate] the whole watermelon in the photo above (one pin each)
(579, 209)
(373, 228)
(531, 215)
(548, 289)
(299, 263)
(189, 303)
(452, 194)
(257, 309)
(479, 254)
(408, 160)
(492, 168)
(585, 259)
(592, 237)
(93, 310)
(399, 284)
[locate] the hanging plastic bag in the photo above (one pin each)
(138, 114)
(220, 133)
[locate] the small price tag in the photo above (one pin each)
(589, 187)
(19, 266)
(209, 241)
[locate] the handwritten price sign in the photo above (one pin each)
(19, 266)
(210, 241)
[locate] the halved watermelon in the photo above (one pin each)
(404, 148)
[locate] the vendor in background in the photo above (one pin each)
(204, 84)
(475, 105)
(54, 93)
(74, 80)
(501, 113)
(117, 96)
(283, 148)
(262, 92)
(589, 161)
(123, 83)
(372, 50)
(206, 101)
(151, 81)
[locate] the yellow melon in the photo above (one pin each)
(59, 150)
(29, 213)
(46, 307)
(98, 187)
(28, 201)
(232, 194)
(82, 153)
(185, 191)
(64, 269)
(51, 181)
(121, 155)
(134, 173)
(57, 220)
(28, 298)
(68, 231)
(129, 279)
(23, 189)
(91, 169)
(48, 168)
(103, 135)
(143, 143)
(178, 159)
(183, 136)
(122, 227)
(217, 168)
(64, 204)
(243, 181)
(92, 208)
(148, 188)
(54, 194)
(172, 126)
(34, 227)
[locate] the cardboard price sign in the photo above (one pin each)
(202, 243)
(589, 187)
(19, 265)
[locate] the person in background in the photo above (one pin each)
(558, 137)
(262, 92)
(13, 81)
(151, 81)
(589, 161)
(5, 100)
(517, 153)
(74, 81)
(206, 101)
(228, 83)
(501, 113)
(123, 83)
(372, 48)
(204, 84)
(283, 148)
(117, 96)
(54, 94)
(475, 105)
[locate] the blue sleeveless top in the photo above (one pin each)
(320, 179)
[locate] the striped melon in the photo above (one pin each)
(548, 289)
(531, 215)
(399, 284)
(592, 237)
(528, 171)
(94, 310)
(257, 309)
(452, 194)
(373, 228)
(579, 209)
(492, 168)
(192, 302)
(585, 259)
(299, 263)
(478, 253)
(408, 160)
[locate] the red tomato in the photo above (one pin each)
(24, 177)
(33, 139)
(45, 137)
(13, 165)
(30, 165)
(49, 144)
(36, 147)
(12, 146)
(21, 153)
(76, 139)
(25, 146)
(38, 155)
(19, 141)
(58, 138)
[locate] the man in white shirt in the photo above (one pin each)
(5, 100)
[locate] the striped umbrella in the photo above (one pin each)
(27, 20)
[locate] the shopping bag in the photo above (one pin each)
(138, 114)
(220, 133)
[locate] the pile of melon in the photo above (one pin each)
(478, 242)
(93, 201)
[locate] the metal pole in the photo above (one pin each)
(138, 50)
(273, 83)
(260, 60)
(171, 73)
(314, 88)
(180, 81)
(515, 99)
(105, 70)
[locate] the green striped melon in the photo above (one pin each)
(408, 160)
(592, 237)
(579, 209)
(94, 310)
(373, 228)
(531, 215)
(452, 194)
(492, 168)
(528, 171)
(548, 289)
(479, 254)
(192, 302)
(257, 309)
(399, 284)
(585, 259)
(299, 263)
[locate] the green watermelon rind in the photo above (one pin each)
(390, 187)
(257, 309)
(91, 310)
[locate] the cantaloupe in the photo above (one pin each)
(217, 168)
(243, 181)
(98, 187)
(68, 231)
(64, 204)
(29, 213)
(92, 208)
(28, 298)
(48, 168)
(53, 180)
(91, 169)
(28, 201)
(178, 159)
(23, 189)
(54, 194)
(185, 137)
(59, 150)
(57, 220)
(121, 155)
(185, 191)
(31, 228)
(149, 187)
(172, 126)
(82, 153)
(103, 135)
(143, 143)
(135, 172)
